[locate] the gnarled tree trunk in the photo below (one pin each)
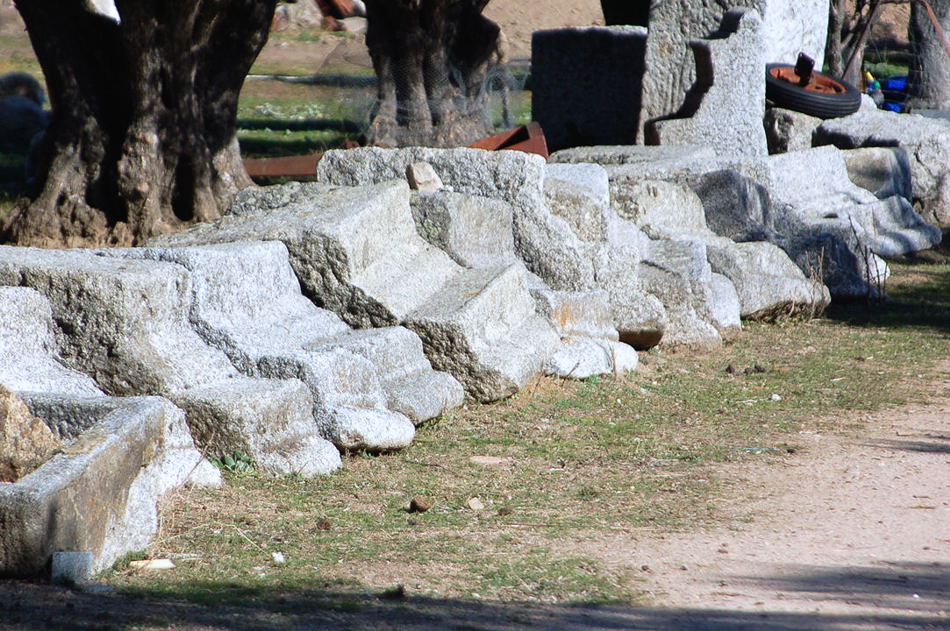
(431, 58)
(143, 135)
(929, 80)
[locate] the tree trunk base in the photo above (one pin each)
(142, 139)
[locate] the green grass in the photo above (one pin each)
(573, 462)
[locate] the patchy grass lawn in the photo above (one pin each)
(516, 486)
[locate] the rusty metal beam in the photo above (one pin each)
(286, 166)
(527, 138)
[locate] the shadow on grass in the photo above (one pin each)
(316, 124)
(918, 297)
(888, 596)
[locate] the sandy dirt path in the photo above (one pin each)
(856, 529)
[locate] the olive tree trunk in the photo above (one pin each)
(431, 58)
(142, 139)
(929, 81)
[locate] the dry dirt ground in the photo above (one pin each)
(853, 533)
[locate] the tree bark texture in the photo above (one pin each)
(929, 81)
(846, 20)
(142, 139)
(432, 60)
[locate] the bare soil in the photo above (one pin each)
(855, 528)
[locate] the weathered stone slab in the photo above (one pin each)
(926, 140)
(586, 84)
(474, 231)
(100, 493)
(788, 130)
(724, 107)
(885, 171)
(26, 442)
(356, 251)
(768, 283)
(589, 341)
(679, 275)
(125, 323)
(545, 241)
(484, 329)
(849, 270)
(815, 187)
(28, 356)
(789, 26)
(656, 160)
(582, 357)
(247, 303)
(664, 210)
(724, 306)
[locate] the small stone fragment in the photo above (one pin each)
(26, 442)
(419, 505)
(152, 564)
(476, 504)
(423, 178)
(394, 593)
(72, 567)
(490, 461)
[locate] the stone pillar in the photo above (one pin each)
(586, 84)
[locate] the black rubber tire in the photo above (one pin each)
(818, 104)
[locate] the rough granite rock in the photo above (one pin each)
(28, 356)
(724, 306)
(788, 130)
(789, 26)
(926, 140)
(26, 442)
(582, 357)
(474, 231)
(100, 492)
(725, 105)
(576, 106)
(664, 210)
(768, 283)
(545, 241)
(483, 328)
(738, 203)
(678, 273)
(247, 303)
(125, 323)
(589, 341)
(884, 171)
(356, 252)
(815, 188)
(423, 178)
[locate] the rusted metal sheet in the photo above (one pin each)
(337, 9)
(286, 166)
(527, 138)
